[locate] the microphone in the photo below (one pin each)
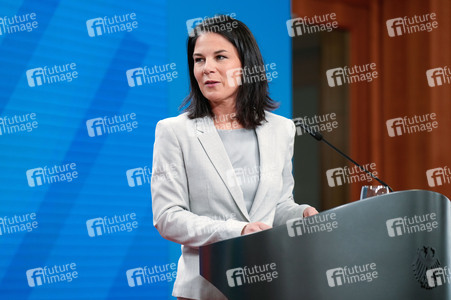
(319, 137)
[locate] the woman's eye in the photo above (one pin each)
(220, 57)
(198, 59)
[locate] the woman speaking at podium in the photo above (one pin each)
(222, 168)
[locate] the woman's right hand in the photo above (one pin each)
(254, 227)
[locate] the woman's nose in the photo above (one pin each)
(209, 66)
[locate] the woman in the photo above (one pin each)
(223, 168)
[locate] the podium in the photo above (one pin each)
(394, 246)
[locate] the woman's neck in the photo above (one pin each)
(224, 117)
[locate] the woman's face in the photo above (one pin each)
(213, 57)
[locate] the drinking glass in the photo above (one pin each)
(373, 190)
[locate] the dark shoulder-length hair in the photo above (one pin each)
(253, 96)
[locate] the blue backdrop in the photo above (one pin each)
(77, 122)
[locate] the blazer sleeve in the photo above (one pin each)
(286, 208)
(171, 199)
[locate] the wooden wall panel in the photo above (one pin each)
(401, 89)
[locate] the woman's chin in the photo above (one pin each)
(213, 97)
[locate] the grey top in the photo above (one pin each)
(242, 148)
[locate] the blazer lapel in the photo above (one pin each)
(266, 150)
(213, 146)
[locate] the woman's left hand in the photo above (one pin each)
(310, 211)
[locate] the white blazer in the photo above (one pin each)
(196, 197)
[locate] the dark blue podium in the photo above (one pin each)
(394, 246)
